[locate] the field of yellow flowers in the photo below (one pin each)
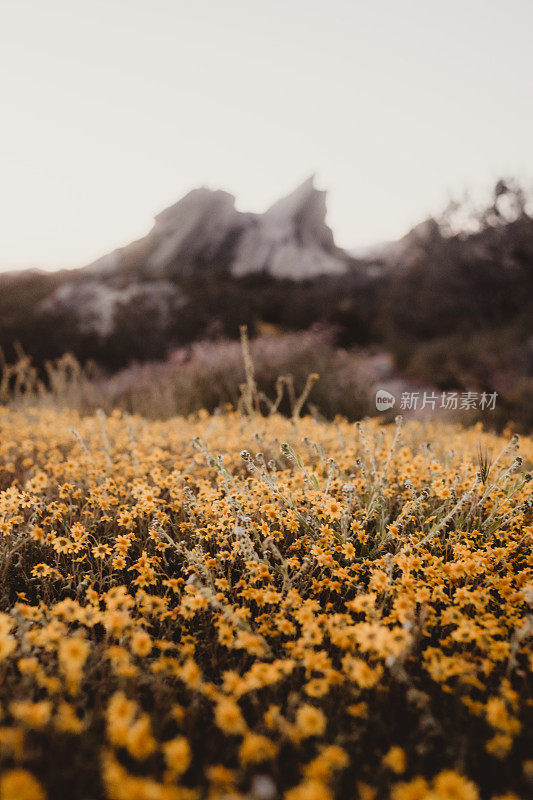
(236, 606)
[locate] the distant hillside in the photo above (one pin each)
(203, 269)
(453, 308)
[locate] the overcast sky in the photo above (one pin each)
(113, 109)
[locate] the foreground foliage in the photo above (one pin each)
(335, 610)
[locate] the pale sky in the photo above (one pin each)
(111, 110)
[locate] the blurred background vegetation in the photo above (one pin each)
(448, 307)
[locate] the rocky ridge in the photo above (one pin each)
(442, 302)
(199, 238)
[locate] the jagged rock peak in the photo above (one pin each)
(297, 199)
(192, 206)
(291, 239)
(204, 229)
(194, 228)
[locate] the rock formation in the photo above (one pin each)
(290, 240)
(203, 268)
(193, 231)
(95, 303)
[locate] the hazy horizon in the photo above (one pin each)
(115, 110)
